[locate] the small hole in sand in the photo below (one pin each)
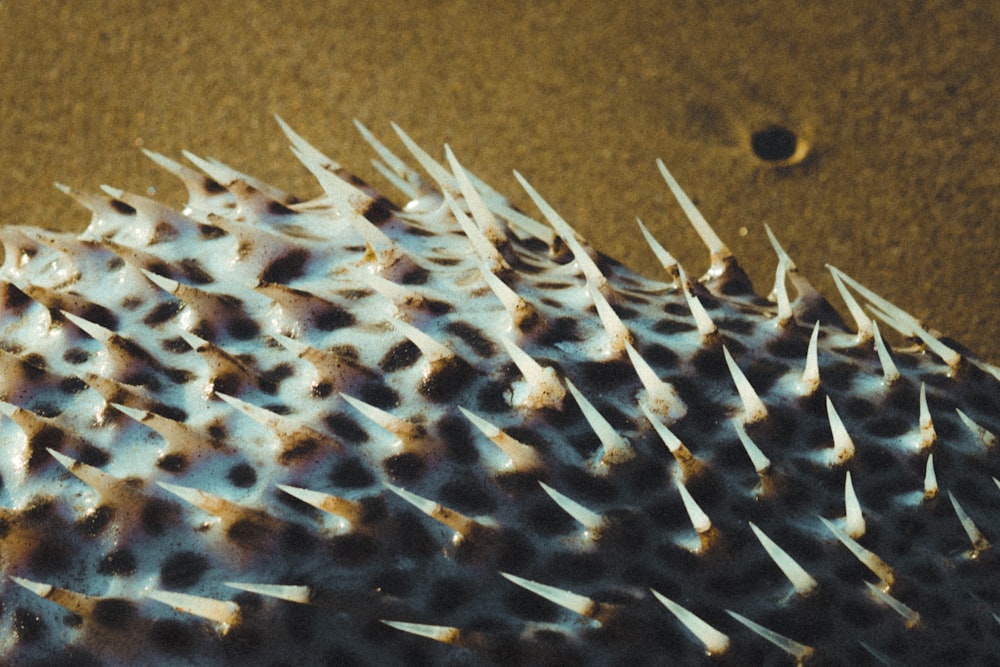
(774, 143)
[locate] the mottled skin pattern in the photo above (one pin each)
(216, 420)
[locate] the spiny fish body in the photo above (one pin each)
(270, 431)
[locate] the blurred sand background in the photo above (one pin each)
(898, 101)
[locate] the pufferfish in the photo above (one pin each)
(262, 430)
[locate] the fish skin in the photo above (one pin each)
(340, 431)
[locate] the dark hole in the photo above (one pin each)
(773, 144)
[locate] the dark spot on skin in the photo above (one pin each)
(437, 307)
(774, 143)
(242, 475)
(162, 312)
(393, 582)
(400, 356)
(33, 366)
(172, 463)
(175, 345)
(406, 467)
(278, 373)
(491, 397)
(51, 555)
(473, 337)
(275, 207)
(156, 516)
(120, 563)
(602, 376)
(27, 626)
(169, 411)
(14, 299)
(182, 569)
(449, 593)
(351, 473)
(298, 450)
(286, 268)
(162, 233)
(114, 613)
(72, 385)
(47, 437)
(379, 211)
(333, 317)
(122, 207)
(194, 273)
(99, 315)
(446, 380)
(172, 637)
(46, 410)
(297, 539)
(242, 328)
(93, 523)
(466, 495)
(131, 302)
(210, 232)
(248, 533)
(352, 548)
(345, 428)
(416, 276)
(561, 329)
(456, 433)
(378, 394)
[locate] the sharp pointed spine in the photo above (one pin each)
(401, 428)
(988, 439)
(867, 558)
(661, 397)
(930, 479)
(843, 445)
(753, 408)
(523, 315)
(854, 520)
(801, 580)
(665, 259)
(706, 327)
(335, 505)
(714, 641)
(580, 604)
(433, 168)
(861, 320)
(699, 520)
(487, 252)
(910, 616)
(952, 358)
(618, 334)
(616, 448)
(299, 594)
(488, 224)
(590, 270)
(591, 521)
(445, 634)
(979, 542)
(810, 376)
(781, 294)
(455, 520)
(224, 614)
(928, 435)
(800, 652)
(720, 254)
(522, 457)
(889, 371)
(430, 348)
(760, 462)
(689, 464)
(543, 386)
